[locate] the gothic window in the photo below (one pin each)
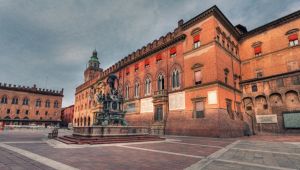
(17, 111)
(8, 111)
(15, 100)
(38, 103)
(147, 86)
(161, 82)
(4, 100)
(136, 89)
(175, 79)
(47, 104)
(25, 101)
(198, 77)
(55, 104)
(127, 91)
(26, 112)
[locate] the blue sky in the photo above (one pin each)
(48, 42)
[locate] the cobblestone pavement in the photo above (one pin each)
(30, 149)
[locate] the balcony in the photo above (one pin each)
(160, 95)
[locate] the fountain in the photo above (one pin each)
(110, 125)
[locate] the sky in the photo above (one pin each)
(49, 42)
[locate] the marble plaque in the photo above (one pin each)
(177, 101)
(212, 97)
(147, 105)
(266, 118)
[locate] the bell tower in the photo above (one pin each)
(93, 70)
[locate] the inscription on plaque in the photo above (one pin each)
(212, 97)
(177, 101)
(146, 105)
(266, 118)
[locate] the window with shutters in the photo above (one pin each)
(257, 51)
(38, 103)
(293, 40)
(198, 77)
(4, 100)
(173, 52)
(15, 100)
(196, 40)
(254, 88)
(158, 58)
(136, 67)
(199, 109)
(25, 101)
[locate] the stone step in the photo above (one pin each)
(106, 140)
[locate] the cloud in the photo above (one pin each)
(49, 42)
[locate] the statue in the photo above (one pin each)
(112, 111)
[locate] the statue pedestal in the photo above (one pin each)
(109, 134)
(99, 131)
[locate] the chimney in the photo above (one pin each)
(180, 23)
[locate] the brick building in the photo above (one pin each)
(207, 77)
(67, 114)
(20, 105)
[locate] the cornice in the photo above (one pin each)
(270, 25)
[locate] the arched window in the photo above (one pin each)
(55, 104)
(175, 79)
(4, 100)
(25, 101)
(15, 100)
(136, 89)
(47, 104)
(161, 82)
(84, 121)
(38, 103)
(148, 86)
(127, 91)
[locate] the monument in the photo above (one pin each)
(110, 125)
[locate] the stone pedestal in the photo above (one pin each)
(102, 131)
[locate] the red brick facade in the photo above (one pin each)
(67, 115)
(194, 80)
(20, 105)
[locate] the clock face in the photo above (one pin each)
(114, 105)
